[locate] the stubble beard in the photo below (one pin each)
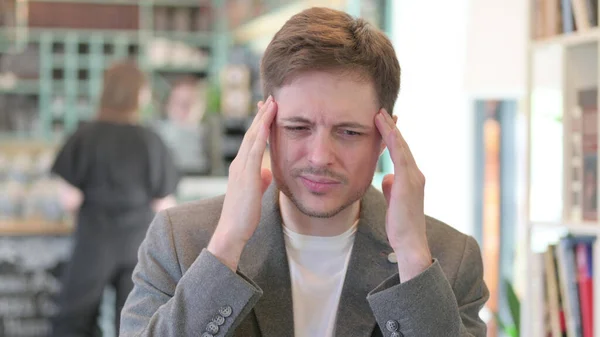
(284, 188)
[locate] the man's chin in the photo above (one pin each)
(315, 209)
(325, 205)
(320, 213)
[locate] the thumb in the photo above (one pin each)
(386, 186)
(266, 177)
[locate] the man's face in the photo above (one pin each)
(324, 142)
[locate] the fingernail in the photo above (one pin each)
(270, 98)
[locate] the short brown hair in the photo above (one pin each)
(326, 39)
(119, 101)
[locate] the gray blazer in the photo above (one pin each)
(183, 290)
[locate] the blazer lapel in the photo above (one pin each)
(264, 260)
(368, 267)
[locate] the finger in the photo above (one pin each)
(257, 151)
(393, 140)
(388, 134)
(251, 132)
(401, 139)
(266, 177)
(262, 106)
(386, 186)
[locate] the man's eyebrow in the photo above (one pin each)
(296, 120)
(350, 125)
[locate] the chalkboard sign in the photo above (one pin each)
(30, 269)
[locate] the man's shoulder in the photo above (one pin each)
(192, 225)
(442, 237)
(439, 232)
(198, 213)
(449, 245)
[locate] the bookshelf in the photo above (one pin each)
(581, 228)
(265, 26)
(560, 104)
(69, 53)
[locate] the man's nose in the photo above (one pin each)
(321, 149)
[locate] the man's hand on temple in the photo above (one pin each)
(245, 188)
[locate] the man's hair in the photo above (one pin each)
(324, 39)
(119, 101)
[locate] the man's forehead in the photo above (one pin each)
(332, 116)
(322, 97)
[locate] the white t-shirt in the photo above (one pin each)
(317, 270)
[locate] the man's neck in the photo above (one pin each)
(306, 225)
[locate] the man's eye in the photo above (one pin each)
(351, 133)
(296, 128)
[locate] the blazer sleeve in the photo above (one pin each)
(208, 299)
(427, 305)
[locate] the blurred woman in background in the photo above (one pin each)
(115, 175)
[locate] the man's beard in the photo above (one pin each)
(284, 188)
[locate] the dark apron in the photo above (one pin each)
(104, 254)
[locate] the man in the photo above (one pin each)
(318, 252)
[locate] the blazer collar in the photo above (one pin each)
(265, 261)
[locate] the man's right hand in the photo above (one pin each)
(246, 185)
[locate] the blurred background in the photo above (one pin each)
(498, 103)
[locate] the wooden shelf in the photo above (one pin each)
(15, 146)
(36, 34)
(22, 86)
(578, 228)
(34, 227)
(180, 69)
(571, 39)
(176, 3)
(100, 2)
(198, 39)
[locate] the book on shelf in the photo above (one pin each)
(557, 17)
(562, 288)
(576, 163)
(582, 164)
(588, 102)
(583, 258)
(565, 258)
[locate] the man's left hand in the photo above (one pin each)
(404, 192)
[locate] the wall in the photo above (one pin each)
(432, 109)
(452, 52)
(496, 48)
